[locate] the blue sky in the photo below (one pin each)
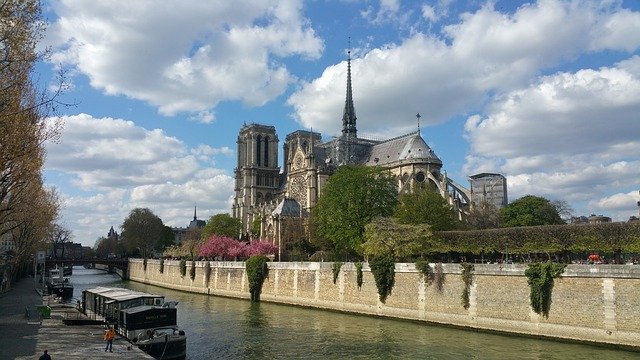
(546, 93)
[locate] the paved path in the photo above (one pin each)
(24, 338)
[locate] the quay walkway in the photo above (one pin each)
(25, 336)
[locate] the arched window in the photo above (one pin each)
(258, 150)
(266, 151)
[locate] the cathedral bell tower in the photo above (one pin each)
(256, 175)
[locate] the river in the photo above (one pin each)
(222, 328)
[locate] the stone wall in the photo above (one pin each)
(592, 303)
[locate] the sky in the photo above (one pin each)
(546, 93)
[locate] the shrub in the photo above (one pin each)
(144, 264)
(257, 271)
(467, 278)
(183, 267)
(359, 274)
(383, 269)
(207, 272)
(336, 270)
(425, 269)
(438, 276)
(540, 278)
(192, 270)
(161, 269)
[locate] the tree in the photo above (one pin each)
(223, 225)
(384, 236)
(141, 231)
(484, 216)
(27, 207)
(105, 246)
(352, 197)
(425, 207)
(530, 210)
(167, 238)
(58, 237)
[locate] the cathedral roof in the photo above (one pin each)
(287, 208)
(410, 147)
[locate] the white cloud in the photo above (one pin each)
(120, 166)
(183, 55)
(486, 53)
(573, 136)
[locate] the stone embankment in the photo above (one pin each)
(25, 334)
(589, 303)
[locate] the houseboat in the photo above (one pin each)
(59, 285)
(146, 320)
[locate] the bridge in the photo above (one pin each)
(119, 266)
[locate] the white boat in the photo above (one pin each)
(59, 285)
(146, 320)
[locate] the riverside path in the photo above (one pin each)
(26, 336)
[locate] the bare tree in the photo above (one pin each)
(59, 236)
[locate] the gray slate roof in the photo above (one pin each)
(407, 147)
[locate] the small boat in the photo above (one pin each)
(146, 320)
(59, 285)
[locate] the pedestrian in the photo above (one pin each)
(45, 356)
(109, 335)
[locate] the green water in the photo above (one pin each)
(221, 328)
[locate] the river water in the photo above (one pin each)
(221, 328)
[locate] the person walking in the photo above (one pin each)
(45, 356)
(109, 335)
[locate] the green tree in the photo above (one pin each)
(530, 210)
(384, 236)
(352, 197)
(425, 207)
(141, 231)
(167, 238)
(223, 225)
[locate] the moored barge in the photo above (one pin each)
(146, 320)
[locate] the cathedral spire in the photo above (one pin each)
(349, 115)
(194, 211)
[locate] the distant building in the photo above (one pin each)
(490, 188)
(599, 219)
(179, 233)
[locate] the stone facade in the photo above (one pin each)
(266, 194)
(591, 303)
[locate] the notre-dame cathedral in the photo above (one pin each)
(263, 193)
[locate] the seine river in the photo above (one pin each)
(221, 328)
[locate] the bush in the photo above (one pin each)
(467, 278)
(257, 271)
(144, 264)
(161, 269)
(540, 278)
(438, 277)
(207, 272)
(192, 270)
(425, 269)
(336, 270)
(383, 269)
(183, 267)
(359, 274)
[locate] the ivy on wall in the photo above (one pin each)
(358, 274)
(183, 267)
(192, 270)
(257, 271)
(161, 268)
(438, 276)
(540, 279)
(425, 269)
(467, 278)
(383, 269)
(207, 272)
(336, 270)
(144, 264)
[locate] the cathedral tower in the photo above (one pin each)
(256, 175)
